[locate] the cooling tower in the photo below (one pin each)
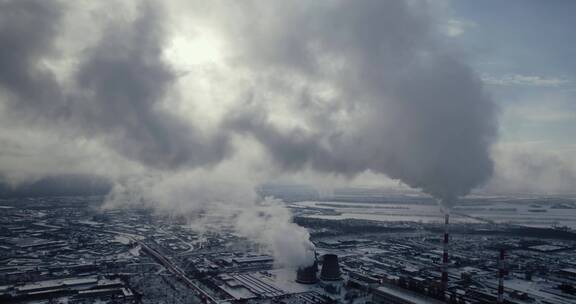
(330, 268)
(307, 275)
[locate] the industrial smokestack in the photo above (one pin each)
(501, 273)
(307, 274)
(330, 268)
(444, 280)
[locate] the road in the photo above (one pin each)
(178, 272)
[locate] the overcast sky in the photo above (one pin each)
(442, 96)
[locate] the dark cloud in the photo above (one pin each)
(58, 185)
(27, 32)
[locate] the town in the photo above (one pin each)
(69, 250)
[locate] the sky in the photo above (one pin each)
(523, 51)
(445, 97)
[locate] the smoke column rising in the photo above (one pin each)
(379, 89)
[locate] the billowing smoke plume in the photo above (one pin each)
(335, 87)
(380, 92)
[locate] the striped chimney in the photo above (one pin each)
(501, 273)
(444, 282)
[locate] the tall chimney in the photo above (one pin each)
(501, 273)
(444, 282)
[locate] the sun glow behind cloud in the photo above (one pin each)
(197, 55)
(200, 49)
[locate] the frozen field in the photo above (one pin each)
(522, 212)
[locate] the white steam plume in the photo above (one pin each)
(226, 192)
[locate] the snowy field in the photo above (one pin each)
(531, 212)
